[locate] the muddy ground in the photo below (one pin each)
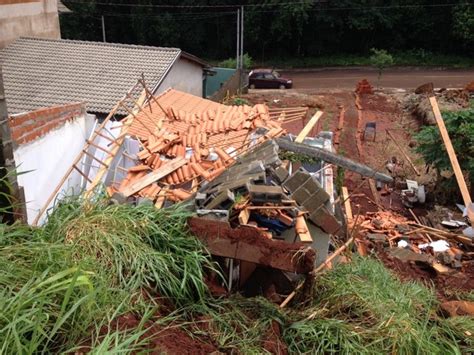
(404, 78)
(346, 114)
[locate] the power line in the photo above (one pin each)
(262, 5)
(198, 6)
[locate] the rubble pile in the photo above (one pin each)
(444, 250)
(258, 190)
(181, 149)
(260, 212)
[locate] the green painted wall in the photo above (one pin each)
(214, 83)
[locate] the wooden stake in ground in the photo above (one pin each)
(347, 205)
(452, 155)
(403, 153)
(309, 126)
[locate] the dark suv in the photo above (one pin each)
(268, 79)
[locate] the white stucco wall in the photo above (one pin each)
(46, 160)
(184, 76)
(23, 18)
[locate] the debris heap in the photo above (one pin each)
(181, 149)
(443, 250)
(263, 214)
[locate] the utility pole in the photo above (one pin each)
(237, 57)
(103, 29)
(8, 184)
(241, 46)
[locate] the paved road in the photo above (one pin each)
(403, 78)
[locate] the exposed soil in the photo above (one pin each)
(169, 340)
(446, 285)
(273, 342)
(343, 109)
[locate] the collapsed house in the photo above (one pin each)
(253, 209)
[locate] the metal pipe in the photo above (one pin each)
(242, 38)
(241, 47)
(103, 29)
(237, 56)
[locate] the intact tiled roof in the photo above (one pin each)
(43, 72)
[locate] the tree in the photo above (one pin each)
(460, 126)
(463, 24)
(380, 59)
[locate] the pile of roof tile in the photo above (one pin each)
(190, 146)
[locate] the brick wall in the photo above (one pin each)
(31, 125)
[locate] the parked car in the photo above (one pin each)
(268, 79)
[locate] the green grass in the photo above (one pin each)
(63, 287)
(361, 307)
(60, 282)
(141, 247)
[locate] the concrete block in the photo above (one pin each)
(238, 186)
(118, 198)
(301, 194)
(296, 180)
(144, 201)
(313, 185)
(325, 220)
(315, 201)
(223, 200)
(280, 174)
(254, 167)
(264, 193)
(235, 184)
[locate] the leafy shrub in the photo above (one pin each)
(380, 59)
(460, 127)
(232, 63)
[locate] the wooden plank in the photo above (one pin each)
(374, 191)
(150, 178)
(452, 155)
(244, 216)
(302, 229)
(161, 198)
(309, 126)
(403, 153)
(347, 204)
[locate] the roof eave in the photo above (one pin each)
(193, 58)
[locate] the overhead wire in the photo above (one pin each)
(262, 5)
